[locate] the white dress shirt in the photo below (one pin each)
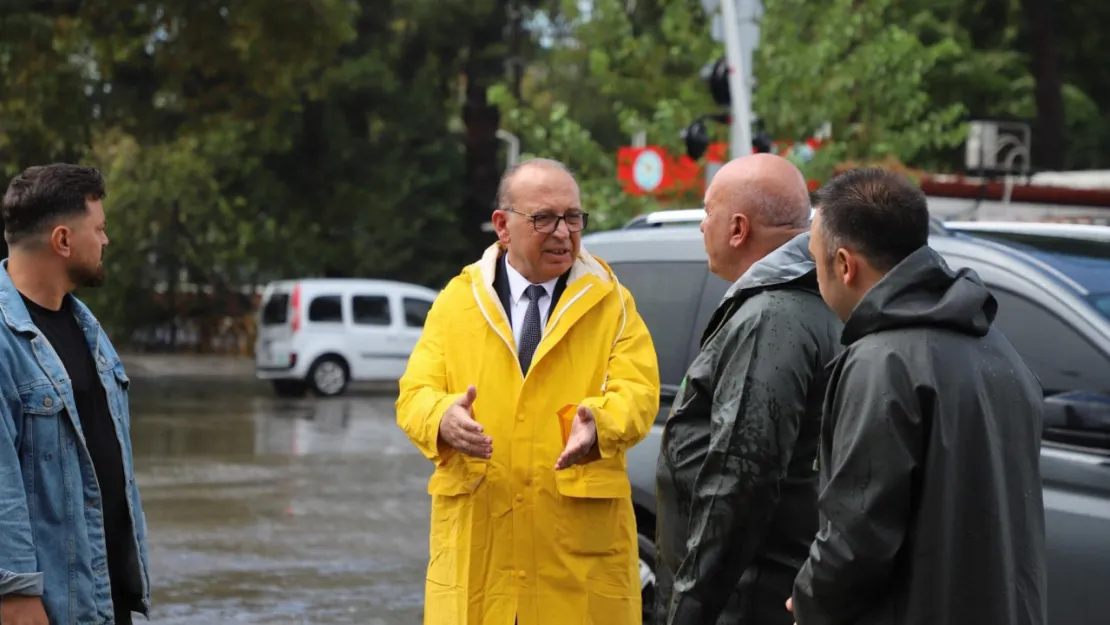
(518, 303)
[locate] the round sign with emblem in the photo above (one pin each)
(647, 170)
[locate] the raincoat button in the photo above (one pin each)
(520, 498)
(522, 574)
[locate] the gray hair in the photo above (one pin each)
(504, 196)
(780, 206)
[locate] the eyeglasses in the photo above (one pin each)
(546, 223)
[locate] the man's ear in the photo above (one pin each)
(61, 239)
(739, 229)
(847, 266)
(500, 221)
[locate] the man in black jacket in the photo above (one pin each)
(736, 483)
(931, 508)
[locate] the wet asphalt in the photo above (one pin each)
(263, 510)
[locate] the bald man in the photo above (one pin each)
(736, 478)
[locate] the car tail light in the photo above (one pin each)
(296, 305)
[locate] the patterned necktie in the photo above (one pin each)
(531, 333)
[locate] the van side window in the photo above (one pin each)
(1061, 357)
(666, 295)
(370, 310)
(326, 309)
(416, 311)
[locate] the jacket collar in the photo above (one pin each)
(15, 311)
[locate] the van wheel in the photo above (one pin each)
(329, 376)
(647, 577)
(289, 388)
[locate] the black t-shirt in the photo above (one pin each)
(64, 333)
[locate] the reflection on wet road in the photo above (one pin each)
(276, 511)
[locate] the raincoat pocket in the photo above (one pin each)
(452, 488)
(593, 501)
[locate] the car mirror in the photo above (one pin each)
(1080, 418)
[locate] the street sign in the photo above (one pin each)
(647, 170)
(650, 170)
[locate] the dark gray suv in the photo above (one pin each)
(1054, 308)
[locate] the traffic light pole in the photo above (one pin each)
(740, 135)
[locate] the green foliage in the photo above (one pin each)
(846, 63)
(619, 74)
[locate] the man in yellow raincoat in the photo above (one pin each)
(533, 375)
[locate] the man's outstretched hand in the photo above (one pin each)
(582, 442)
(461, 432)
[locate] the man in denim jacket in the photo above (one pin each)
(72, 531)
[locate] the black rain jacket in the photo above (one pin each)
(736, 477)
(931, 505)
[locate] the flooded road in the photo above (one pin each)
(280, 511)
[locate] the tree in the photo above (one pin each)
(601, 76)
(847, 63)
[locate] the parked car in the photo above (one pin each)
(1032, 231)
(685, 217)
(1054, 308)
(663, 218)
(322, 334)
(1083, 240)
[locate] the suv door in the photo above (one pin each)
(712, 294)
(1075, 470)
(667, 296)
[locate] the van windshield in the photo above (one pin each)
(275, 311)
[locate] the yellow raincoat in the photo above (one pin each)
(510, 536)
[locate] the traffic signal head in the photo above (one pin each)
(761, 141)
(696, 137)
(716, 75)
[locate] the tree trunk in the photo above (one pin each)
(484, 66)
(1048, 140)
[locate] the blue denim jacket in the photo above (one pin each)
(51, 525)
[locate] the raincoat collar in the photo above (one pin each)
(588, 282)
(786, 264)
(790, 264)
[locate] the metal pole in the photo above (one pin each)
(514, 146)
(740, 136)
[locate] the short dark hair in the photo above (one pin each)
(42, 194)
(882, 215)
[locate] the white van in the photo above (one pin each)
(322, 334)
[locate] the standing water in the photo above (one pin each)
(272, 511)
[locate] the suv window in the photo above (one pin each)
(714, 292)
(326, 309)
(416, 311)
(370, 310)
(667, 296)
(1062, 358)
